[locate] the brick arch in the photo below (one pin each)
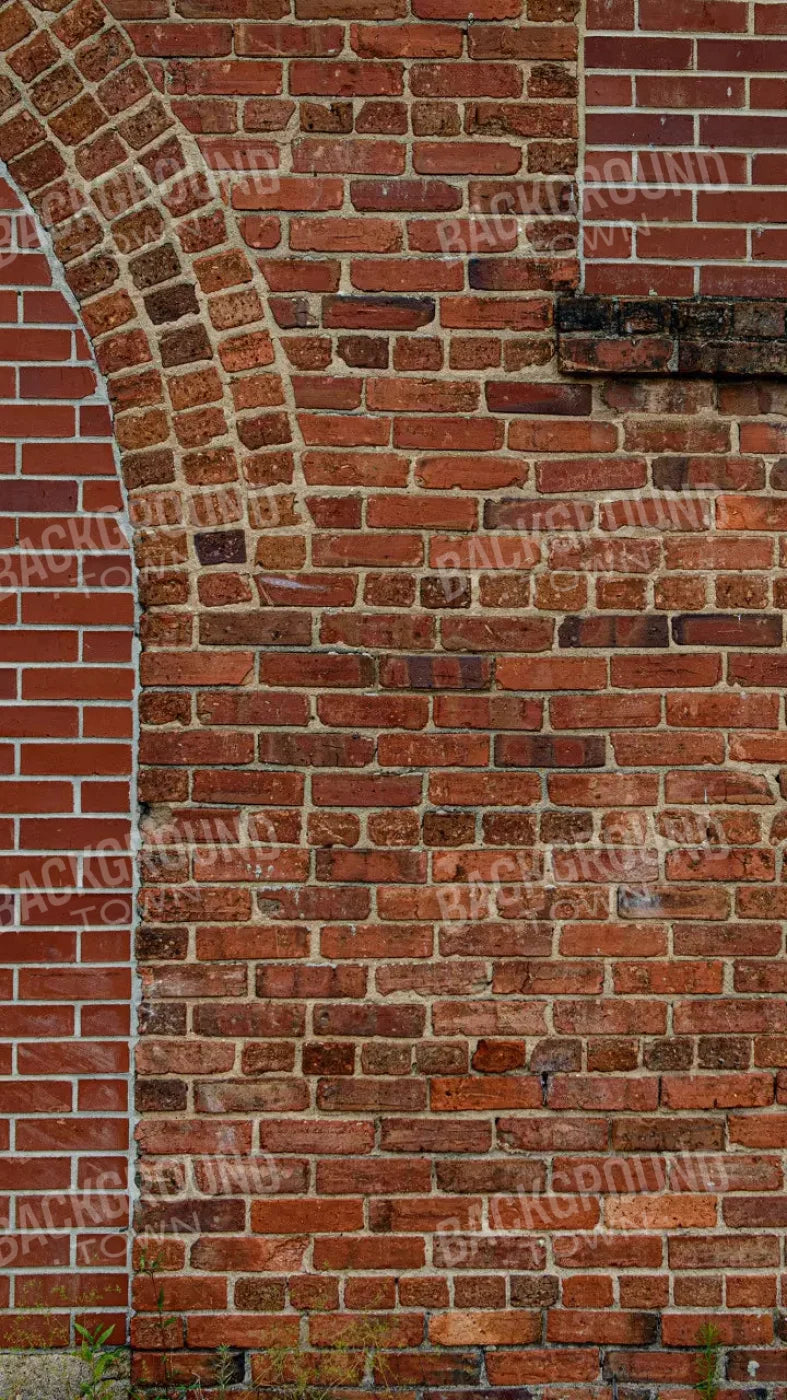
(170, 300)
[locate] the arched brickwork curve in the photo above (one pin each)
(170, 300)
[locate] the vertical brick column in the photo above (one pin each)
(66, 761)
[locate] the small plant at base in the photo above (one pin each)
(707, 1386)
(100, 1360)
(225, 1370)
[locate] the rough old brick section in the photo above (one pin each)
(66, 721)
(704, 335)
(463, 730)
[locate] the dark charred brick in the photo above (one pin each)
(614, 630)
(704, 318)
(161, 944)
(588, 314)
(436, 673)
(646, 317)
(160, 1095)
(221, 547)
(171, 304)
(728, 629)
(735, 358)
(186, 346)
(758, 320)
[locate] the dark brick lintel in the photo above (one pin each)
(656, 335)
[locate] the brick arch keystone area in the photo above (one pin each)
(460, 941)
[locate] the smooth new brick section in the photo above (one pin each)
(66, 730)
(463, 743)
(685, 154)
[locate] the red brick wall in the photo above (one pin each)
(463, 727)
(685, 141)
(66, 729)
